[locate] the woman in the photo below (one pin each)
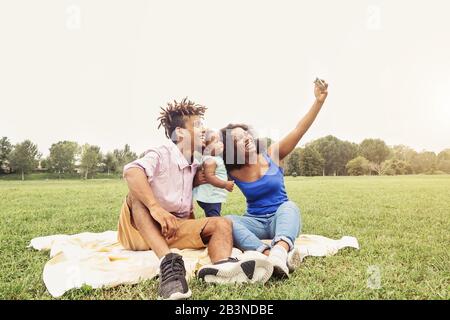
(270, 214)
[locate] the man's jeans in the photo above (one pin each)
(284, 224)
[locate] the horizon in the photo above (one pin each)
(165, 140)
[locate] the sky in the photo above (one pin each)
(97, 71)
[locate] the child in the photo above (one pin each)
(211, 195)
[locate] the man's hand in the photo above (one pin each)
(320, 90)
(168, 222)
(199, 178)
(229, 186)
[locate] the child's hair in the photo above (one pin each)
(209, 139)
(175, 115)
(209, 134)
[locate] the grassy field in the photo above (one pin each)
(402, 224)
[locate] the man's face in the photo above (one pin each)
(195, 132)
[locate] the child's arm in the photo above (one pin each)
(210, 175)
(281, 149)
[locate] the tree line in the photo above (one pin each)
(329, 156)
(66, 158)
(325, 156)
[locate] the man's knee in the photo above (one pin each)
(221, 225)
(130, 199)
(134, 203)
(225, 224)
(230, 225)
(137, 210)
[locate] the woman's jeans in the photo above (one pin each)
(284, 224)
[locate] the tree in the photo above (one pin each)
(336, 154)
(293, 162)
(444, 161)
(401, 152)
(424, 162)
(396, 167)
(311, 162)
(5, 151)
(124, 156)
(347, 151)
(374, 150)
(358, 166)
(91, 157)
(110, 162)
(62, 157)
(24, 157)
(328, 148)
(44, 163)
(376, 168)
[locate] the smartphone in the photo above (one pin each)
(320, 82)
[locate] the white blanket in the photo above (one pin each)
(98, 260)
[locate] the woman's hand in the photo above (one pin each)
(320, 90)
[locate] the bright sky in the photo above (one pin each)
(98, 71)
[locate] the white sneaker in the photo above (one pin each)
(233, 270)
(280, 266)
(294, 259)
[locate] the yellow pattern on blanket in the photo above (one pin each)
(98, 260)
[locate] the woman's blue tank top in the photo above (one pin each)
(266, 194)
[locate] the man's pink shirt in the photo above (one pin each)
(170, 176)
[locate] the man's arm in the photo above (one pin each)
(142, 191)
(199, 178)
(278, 151)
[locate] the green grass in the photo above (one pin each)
(54, 176)
(402, 224)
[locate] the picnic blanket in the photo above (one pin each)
(98, 259)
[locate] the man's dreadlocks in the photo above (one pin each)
(176, 113)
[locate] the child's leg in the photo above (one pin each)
(211, 209)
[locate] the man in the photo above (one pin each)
(158, 212)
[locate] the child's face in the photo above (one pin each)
(213, 144)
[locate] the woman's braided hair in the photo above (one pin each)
(176, 114)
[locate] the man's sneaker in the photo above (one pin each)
(233, 270)
(280, 266)
(172, 278)
(294, 259)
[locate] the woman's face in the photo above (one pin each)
(244, 144)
